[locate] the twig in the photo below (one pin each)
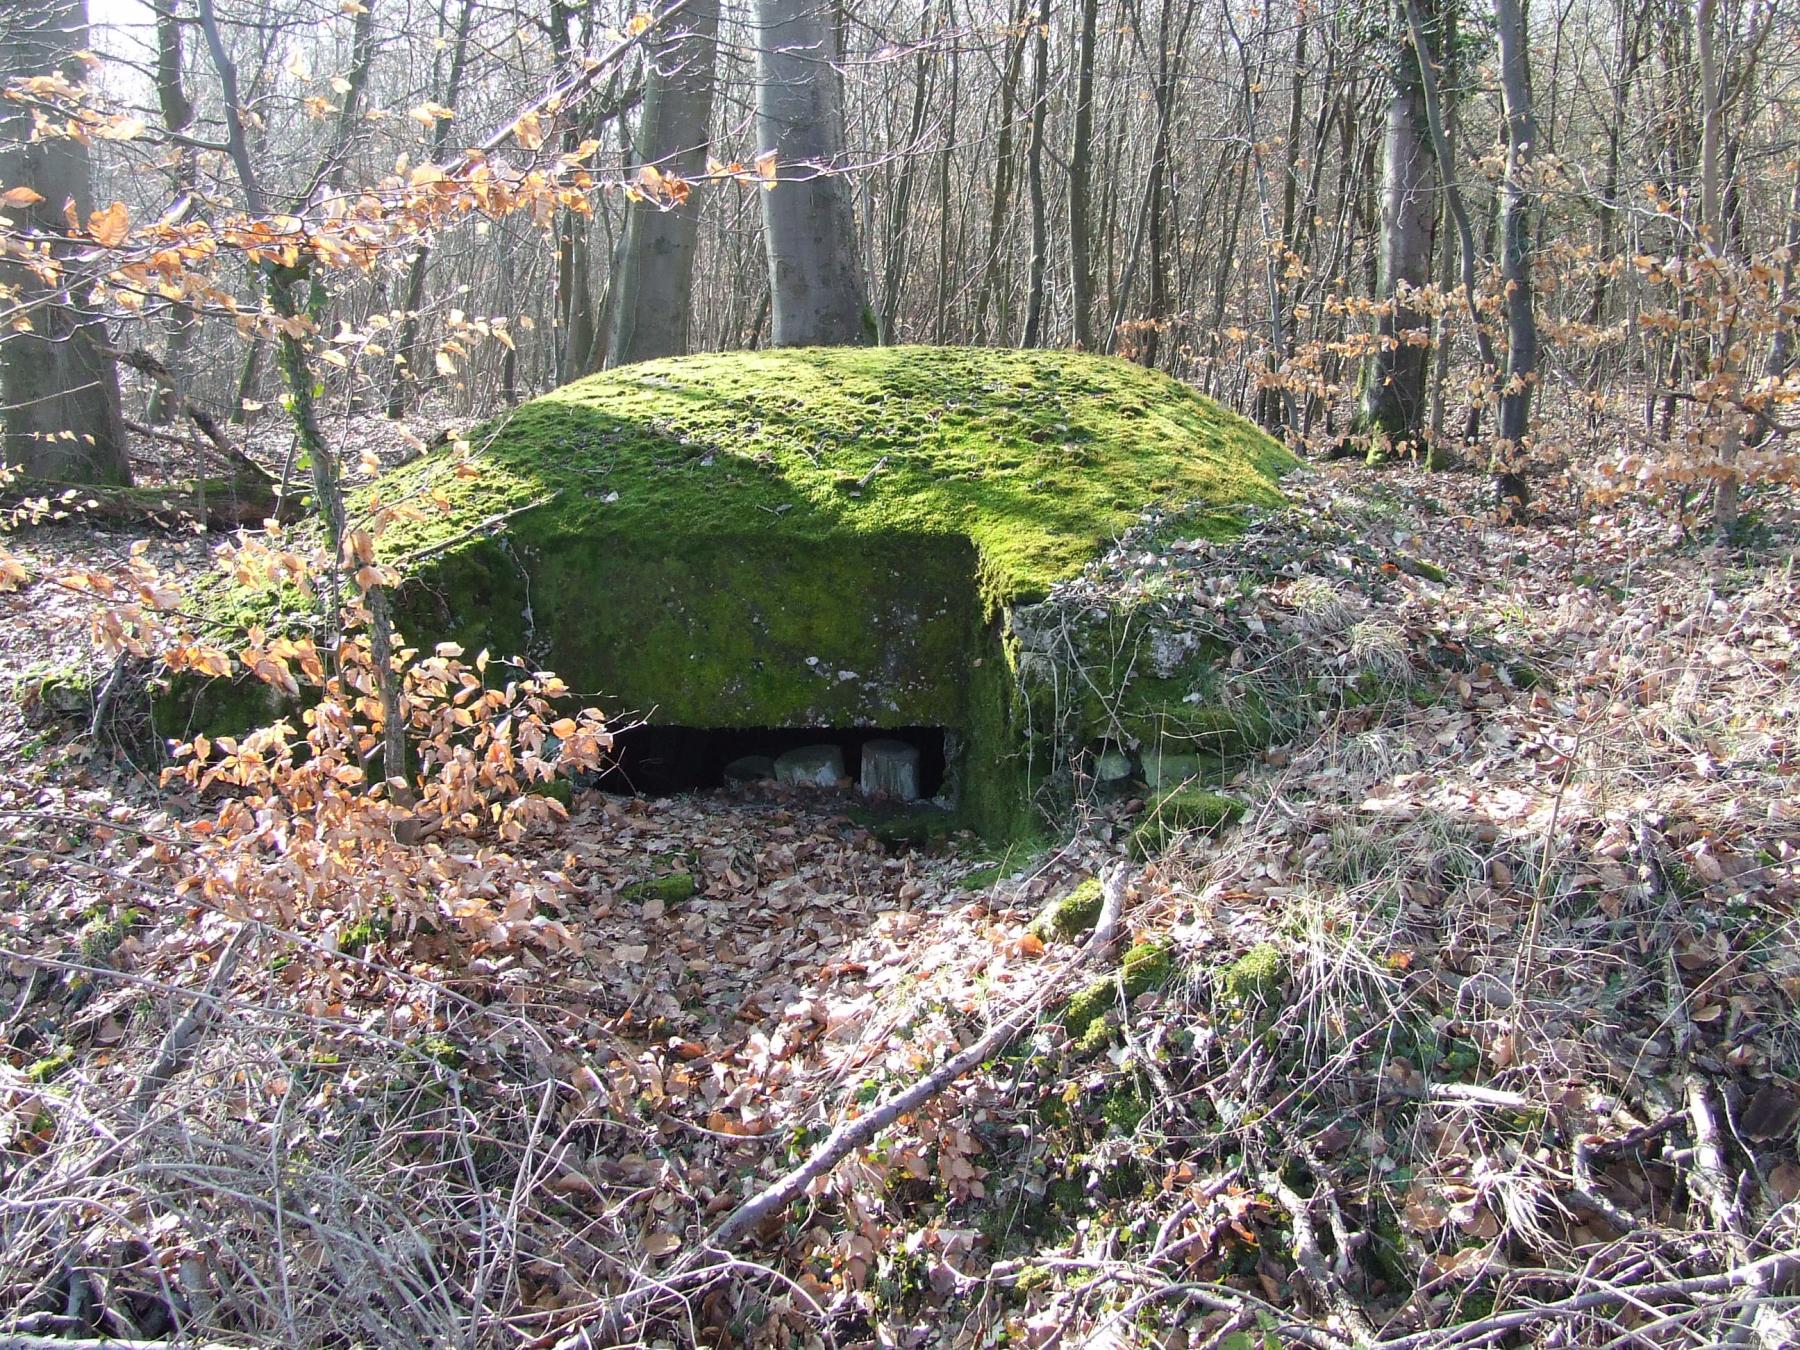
(179, 1043)
(22, 1342)
(1769, 1271)
(858, 1133)
(1710, 1182)
(1326, 1285)
(1588, 1192)
(1475, 1095)
(480, 527)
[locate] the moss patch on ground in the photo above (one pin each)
(1146, 966)
(804, 537)
(1255, 977)
(670, 890)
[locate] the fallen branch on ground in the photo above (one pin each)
(858, 1133)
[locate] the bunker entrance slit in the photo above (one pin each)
(653, 760)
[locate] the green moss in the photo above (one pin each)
(49, 1067)
(1088, 1007)
(62, 692)
(1074, 914)
(1027, 455)
(1255, 977)
(1125, 1107)
(1145, 967)
(1422, 568)
(804, 537)
(365, 932)
(100, 938)
(671, 890)
(1179, 811)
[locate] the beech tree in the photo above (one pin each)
(816, 285)
(1393, 394)
(652, 306)
(1520, 375)
(58, 386)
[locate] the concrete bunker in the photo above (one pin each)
(829, 543)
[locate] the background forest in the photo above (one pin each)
(1274, 204)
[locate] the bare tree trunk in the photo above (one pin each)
(178, 114)
(1081, 153)
(1515, 253)
(898, 236)
(653, 305)
(1003, 168)
(1727, 362)
(809, 230)
(1459, 210)
(1393, 397)
(1034, 179)
(59, 395)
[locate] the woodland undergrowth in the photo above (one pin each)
(1477, 1028)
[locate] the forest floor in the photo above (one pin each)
(1480, 1026)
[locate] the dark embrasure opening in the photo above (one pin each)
(656, 761)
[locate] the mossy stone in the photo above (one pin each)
(1074, 914)
(678, 536)
(1179, 811)
(1255, 977)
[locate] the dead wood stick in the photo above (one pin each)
(1476, 1095)
(179, 1043)
(855, 1134)
(1710, 1180)
(242, 465)
(480, 527)
(1326, 1285)
(1587, 1190)
(1769, 1271)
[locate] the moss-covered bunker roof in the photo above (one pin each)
(1036, 457)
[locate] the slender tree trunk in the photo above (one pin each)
(1034, 179)
(59, 395)
(809, 229)
(178, 114)
(1393, 397)
(1459, 211)
(1081, 152)
(1515, 252)
(408, 357)
(1713, 224)
(894, 276)
(1001, 202)
(653, 304)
